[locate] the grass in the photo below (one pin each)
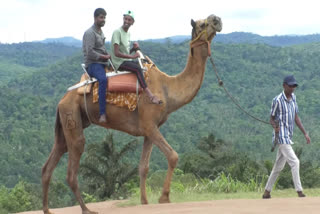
(187, 188)
(179, 197)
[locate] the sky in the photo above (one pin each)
(33, 20)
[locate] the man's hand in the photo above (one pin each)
(276, 129)
(136, 45)
(136, 55)
(105, 57)
(307, 138)
(135, 48)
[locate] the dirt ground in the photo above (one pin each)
(310, 205)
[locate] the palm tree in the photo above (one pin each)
(104, 169)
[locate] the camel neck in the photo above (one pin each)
(186, 85)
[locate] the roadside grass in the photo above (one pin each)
(179, 197)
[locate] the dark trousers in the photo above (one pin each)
(97, 71)
(134, 67)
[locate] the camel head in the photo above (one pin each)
(206, 28)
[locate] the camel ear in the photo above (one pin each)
(193, 23)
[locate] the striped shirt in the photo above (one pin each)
(284, 111)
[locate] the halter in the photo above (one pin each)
(196, 42)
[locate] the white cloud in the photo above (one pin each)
(28, 20)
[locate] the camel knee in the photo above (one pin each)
(79, 144)
(143, 171)
(173, 159)
(72, 181)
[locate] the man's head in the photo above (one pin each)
(129, 13)
(290, 81)
(128, 20)
(100, 17)
(289, 84)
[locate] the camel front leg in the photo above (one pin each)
(144, 168)
(172, 158)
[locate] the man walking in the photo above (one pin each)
(96, 57)
(285, 110)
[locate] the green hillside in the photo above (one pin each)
(253, 73)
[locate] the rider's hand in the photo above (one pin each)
(136, 55)
(105, 57)
(136, 45)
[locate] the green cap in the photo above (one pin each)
(129, 13)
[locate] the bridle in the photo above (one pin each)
(196, 41)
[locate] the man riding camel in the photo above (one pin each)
(96, 57)
(121, 57)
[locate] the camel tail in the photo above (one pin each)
(58, 131)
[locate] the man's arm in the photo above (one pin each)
(89, 41)
(274, 124)
(117, 53)
(299, 124)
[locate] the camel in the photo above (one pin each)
(175, 92)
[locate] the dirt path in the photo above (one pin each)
(310, 205)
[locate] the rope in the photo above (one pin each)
(231, 97)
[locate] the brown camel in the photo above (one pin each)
(174, 91)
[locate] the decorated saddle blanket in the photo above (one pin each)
(123, 90)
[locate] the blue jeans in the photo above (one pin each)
(97, 71)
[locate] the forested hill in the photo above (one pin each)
(235, 37)
(17, 59)
(252, 72)
(250, 38)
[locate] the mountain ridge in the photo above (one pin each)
(234, 37)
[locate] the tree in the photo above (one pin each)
(218, 156)
(105, 169)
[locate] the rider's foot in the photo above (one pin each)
(103, 118)
(155, 100)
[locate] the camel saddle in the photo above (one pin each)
(119, 83)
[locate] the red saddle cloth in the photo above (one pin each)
(124, 83)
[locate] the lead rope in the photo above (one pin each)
(230, 96)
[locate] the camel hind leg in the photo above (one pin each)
(59, 148)
(76, 147)
(47, 170)
(73, 132)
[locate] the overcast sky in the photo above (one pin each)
(29, 20)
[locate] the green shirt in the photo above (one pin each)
(121, 38)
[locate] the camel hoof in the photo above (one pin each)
(144, 201)
(48, 212)
(89, 212)
(164, 199)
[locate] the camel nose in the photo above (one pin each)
(218, 23)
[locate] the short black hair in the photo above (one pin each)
(99, 11)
